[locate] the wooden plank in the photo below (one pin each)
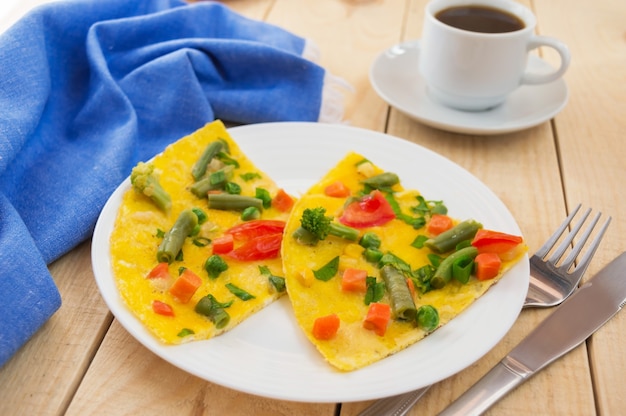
(592, 148)
(349, 35)
(126, 378)
(44, 374)
(524, 160)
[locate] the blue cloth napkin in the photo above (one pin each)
(88, 88)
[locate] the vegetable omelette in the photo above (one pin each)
(372, 268)
(196, 243)
(204, 239)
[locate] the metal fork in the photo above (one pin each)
(551, 282)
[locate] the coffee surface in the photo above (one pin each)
(482, 19)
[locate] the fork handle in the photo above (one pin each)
(494, 385)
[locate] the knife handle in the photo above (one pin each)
(494, 385)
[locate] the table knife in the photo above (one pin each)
(590, 307)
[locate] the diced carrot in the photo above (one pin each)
(224, 244)
(337, 189)
(487, 265)
(411, 286)
(326, 327)
(185, 286)
(377, 319)
(282, 201)
(160, 271)
(488, 241)
(353, 280)
(439, 223)
(162, 308)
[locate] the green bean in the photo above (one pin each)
(402, 303)
(216, 180)
(427, 318)
(173, 240)
(447, 240)
(199, 168)
(443, 274)
(462, 268)
(214, 310)
(370, 240)
(233, 202)
(383, 180)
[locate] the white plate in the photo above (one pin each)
(267, 354)
(395, 78)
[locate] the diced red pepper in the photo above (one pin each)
(258, 248)
(224, 244)
(162, 308)
(255, 228)
(488, 241)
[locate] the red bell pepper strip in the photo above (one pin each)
(369, 211)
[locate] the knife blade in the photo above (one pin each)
(588, 309)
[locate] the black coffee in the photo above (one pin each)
(477, 18)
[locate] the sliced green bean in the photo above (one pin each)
(370, 240)
(402, 303)
(173, 240)
(215, 180)
(214, 310)
(448, 240)
(199, 168)
(233, 202)
(443, 274)
(383, 180)
(462, 269)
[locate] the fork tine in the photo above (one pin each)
(543, 250)
(581, 267)
(577, 247)
(568, 239)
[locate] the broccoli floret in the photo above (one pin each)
(143, 180)
(316, 226)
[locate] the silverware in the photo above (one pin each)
(568, 326)
(550, 284)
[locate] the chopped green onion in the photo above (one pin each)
(240, 293)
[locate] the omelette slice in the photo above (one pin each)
(373, 283)
(195, 247)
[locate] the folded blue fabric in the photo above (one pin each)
(88, 88)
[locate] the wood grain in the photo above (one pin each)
(83, 362)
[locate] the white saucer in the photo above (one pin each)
(395, 78)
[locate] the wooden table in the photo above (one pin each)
(83, 362)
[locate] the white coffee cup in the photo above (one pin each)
(476, 71)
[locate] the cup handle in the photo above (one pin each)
(563, 51)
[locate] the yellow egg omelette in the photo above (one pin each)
(372, 285)
(195, 247)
